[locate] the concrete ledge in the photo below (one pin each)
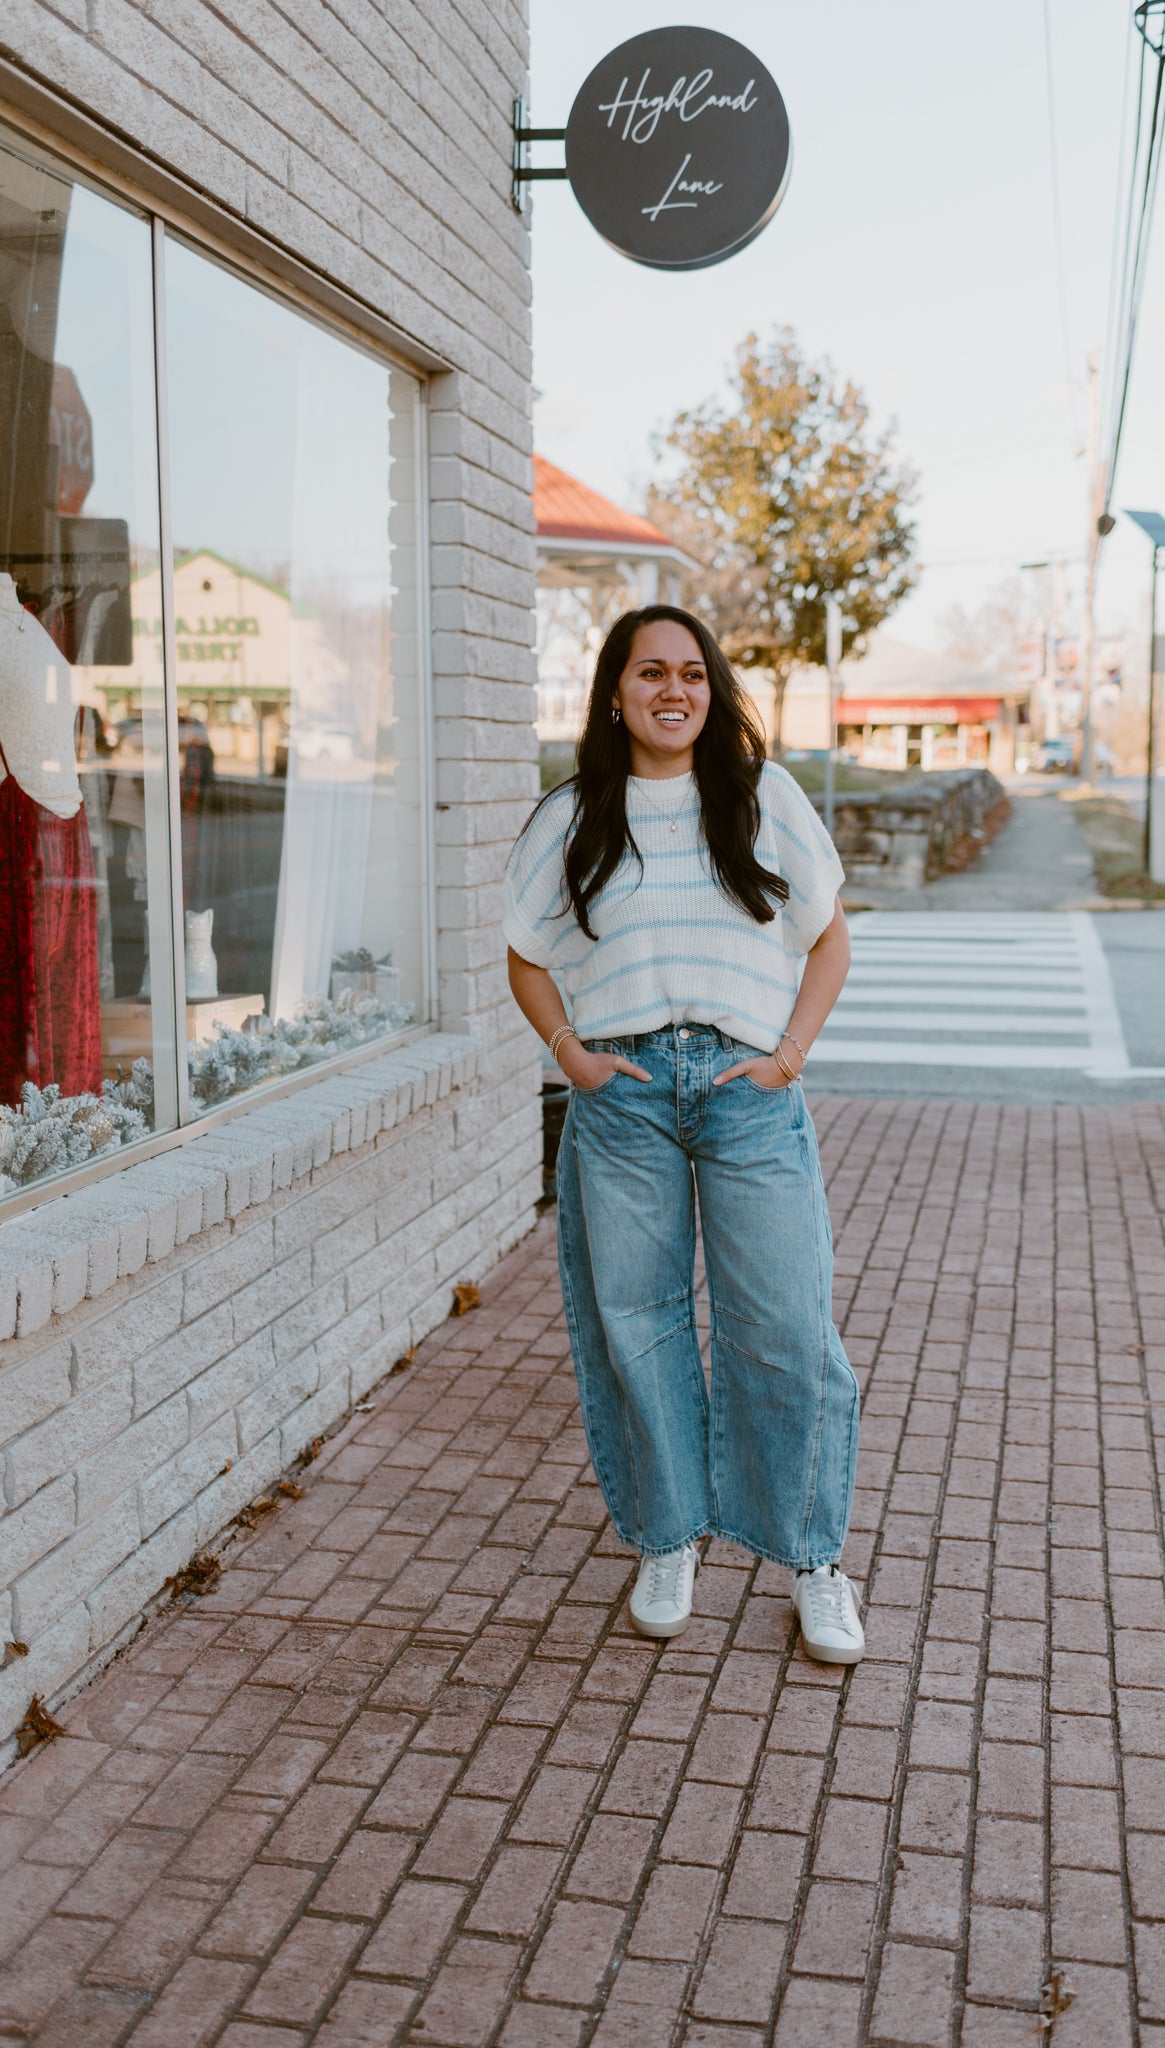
(77, 1248)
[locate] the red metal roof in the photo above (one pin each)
(564, 509)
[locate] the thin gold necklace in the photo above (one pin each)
(672, 817)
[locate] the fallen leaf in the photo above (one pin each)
(17, 1649)
(289, 1487)
(226, 1468)
(403, 1363)
(201, 1575)
(263, 1505)
(465, 1297)
(38, 1725)
(312, 1451)
(1055, 1998)
(1135, 1350)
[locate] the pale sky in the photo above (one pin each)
(914, 247)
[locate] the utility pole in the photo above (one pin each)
(832, 660)
(1095, 513)
(1153, 852)
(1050, 638)
(1052, 657)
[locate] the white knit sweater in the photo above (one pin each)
(671, 948)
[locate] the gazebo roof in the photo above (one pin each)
(566, 510)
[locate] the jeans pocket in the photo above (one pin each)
(789, 1094)
(582, 1093)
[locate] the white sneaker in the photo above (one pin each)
(661, 1604)
(828, 1613)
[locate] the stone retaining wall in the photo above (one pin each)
(901, 838)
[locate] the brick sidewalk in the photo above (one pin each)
(407, 1776)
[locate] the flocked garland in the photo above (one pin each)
(49, 1132)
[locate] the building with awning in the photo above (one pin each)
(905, 707)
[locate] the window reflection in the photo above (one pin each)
(78, 520)
(296, 682)
(293, 477)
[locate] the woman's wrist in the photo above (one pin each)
(572, 1055)
(788, 1037)
(559, 1038)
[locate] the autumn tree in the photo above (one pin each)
(786, 496)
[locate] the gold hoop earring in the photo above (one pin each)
(616, 715)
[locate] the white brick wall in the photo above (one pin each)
(136, 1423)
(232, 1298)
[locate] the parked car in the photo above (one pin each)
(326, 743)
(1055, 757)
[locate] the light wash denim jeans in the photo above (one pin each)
(769, 1462)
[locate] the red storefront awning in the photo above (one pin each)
(923, 711)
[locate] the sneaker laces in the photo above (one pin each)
(827, 1601)
(663, 1578)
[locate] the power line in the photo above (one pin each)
(1148, 139)
(1113, 310)
(1058, 222)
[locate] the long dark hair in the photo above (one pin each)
(727, 759)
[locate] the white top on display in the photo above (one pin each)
(36, 709)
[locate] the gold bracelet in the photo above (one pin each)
(563, 1031)
(784, 1066)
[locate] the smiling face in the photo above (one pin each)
(664, 696)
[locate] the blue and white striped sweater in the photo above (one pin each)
(670, 947)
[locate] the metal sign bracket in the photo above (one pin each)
(1150, 19)
(521, 167)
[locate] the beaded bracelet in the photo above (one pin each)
(798, 1044)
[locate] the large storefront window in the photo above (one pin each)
(211, 804)
(83, 854)
(297, 683)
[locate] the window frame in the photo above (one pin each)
(171, 1072)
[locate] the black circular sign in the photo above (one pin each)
(677, 148)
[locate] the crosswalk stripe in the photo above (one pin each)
(963, 1022)
(1001, 996)
(946, 989)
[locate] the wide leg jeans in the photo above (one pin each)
(768, 1461)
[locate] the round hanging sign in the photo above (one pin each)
(677, 148)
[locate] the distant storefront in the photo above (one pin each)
(903, 707)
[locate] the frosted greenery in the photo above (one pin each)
(47, 1132)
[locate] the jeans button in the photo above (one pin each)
(685, 1034)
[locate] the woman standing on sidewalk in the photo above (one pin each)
(671, 887)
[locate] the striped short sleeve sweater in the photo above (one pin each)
(670, 947)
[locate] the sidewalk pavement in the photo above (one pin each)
(406, 1776)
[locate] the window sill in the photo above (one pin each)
(80, 1242)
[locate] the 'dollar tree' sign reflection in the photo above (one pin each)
(677, 147)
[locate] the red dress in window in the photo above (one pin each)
(50, 1000)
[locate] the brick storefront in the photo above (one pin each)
(172, 1335)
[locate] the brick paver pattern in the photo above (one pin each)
(407, 1775)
